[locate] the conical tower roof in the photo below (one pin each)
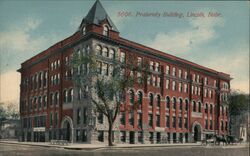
(97, 14)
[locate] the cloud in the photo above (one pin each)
(20, 39)
(9, 87)
(201, 30)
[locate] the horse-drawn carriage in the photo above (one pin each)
(217, 139)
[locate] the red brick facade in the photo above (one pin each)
(180, 85)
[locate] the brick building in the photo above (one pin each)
(182, 101)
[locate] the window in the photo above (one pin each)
(185, 75)
(99, 67)
(198, 79)
(186, 104)
(167, 121)
(151, 99)
(180, 73)
(105, 52)
(139, 77)
(167, 70)
(154, 80)
(180, 87)
(186, 122)
(122, 57)
(84, 116)
(199, 91)
(100, 136)
(139, 61)
(174, 103)
(112, 53)
(211, 124)
(199, 106)
(180, 122)
(173, 85)
(158, 120)
(206, 108)
(206, 124)
(194, 106)
(105, 30)
(139, 117)
(98, 50)
(205, 93)
(122, 118)
(158, 101)
(84, 30)
(123, 136)
(65, 96)
(211, 109)
(174, 122)
(194, 77)
(167, 102)
(157, 67)
(131, 118)
(167, 84)
(51, 119)
(180, 104)
(70, 96)
(150, 120)
(151, 65)
(205, 80)
(56, 119)
(158, 82)
(185, 88)
(174, 72)
(139, 98)
(131, 97)
(105, 69)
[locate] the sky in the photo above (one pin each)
(220, 42)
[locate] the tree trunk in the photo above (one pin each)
(110, 140)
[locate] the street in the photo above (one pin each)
(26, 150)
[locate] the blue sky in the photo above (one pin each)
(221, 43)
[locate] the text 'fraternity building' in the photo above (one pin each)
(182, 101)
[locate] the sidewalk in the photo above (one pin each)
(76, 146)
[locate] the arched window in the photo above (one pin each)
(80, 94)
(174, 103)
(131, 97)
(180, 104)
(199, 106)
(140, 98)
(158, 101)
(105, 52)
(186, 103)
(206, 108)
(151, 99)
(168, 102)
(105, 30)
(98, 50)
(65, 96)
(70, 95)
(194, 106)
(112, 53)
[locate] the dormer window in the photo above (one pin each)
(105, 30)
(84, 30)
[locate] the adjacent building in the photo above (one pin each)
(182, 101)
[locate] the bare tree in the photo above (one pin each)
(106, 89)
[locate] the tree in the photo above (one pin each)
(105, 89)
(238, 103)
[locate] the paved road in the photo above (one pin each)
(24, 150)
